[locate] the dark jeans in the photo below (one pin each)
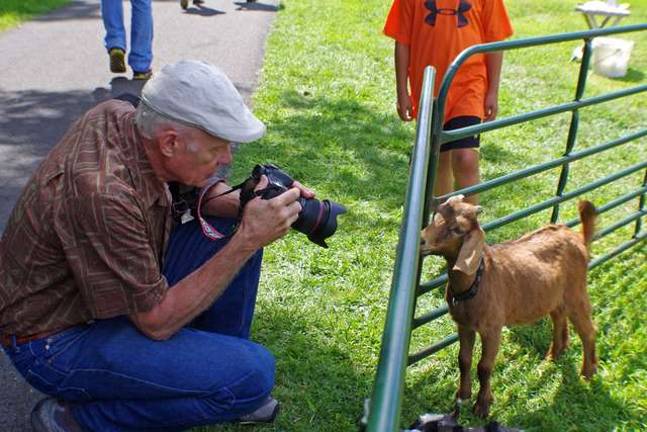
(117, 379)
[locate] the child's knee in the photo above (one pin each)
(465, 160)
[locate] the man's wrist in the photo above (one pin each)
(243, 242)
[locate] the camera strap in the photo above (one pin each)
(208, 230)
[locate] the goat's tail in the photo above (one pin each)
(587, 216)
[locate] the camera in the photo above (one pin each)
(317, 219)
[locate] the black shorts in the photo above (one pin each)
(467, 142)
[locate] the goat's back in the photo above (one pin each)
(533, 275)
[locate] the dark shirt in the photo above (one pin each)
(87, 236)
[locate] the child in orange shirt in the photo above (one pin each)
(434, 32)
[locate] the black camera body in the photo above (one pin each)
(317, 219)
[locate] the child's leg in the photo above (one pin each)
(444, 178)
(462, 156)
(465, 167)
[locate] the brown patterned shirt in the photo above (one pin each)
(86, 238)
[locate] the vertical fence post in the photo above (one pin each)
(434, 136)
(385, 404)
(641, 207)
(575, 120)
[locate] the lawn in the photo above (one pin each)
(327, 95)
(13, 12)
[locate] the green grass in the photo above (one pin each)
(327, 96)
(13, 12)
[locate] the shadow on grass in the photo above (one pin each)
(317, 382)
(432, 393)
(555, 399)
(632, 76)
(496, 154)
(535, 337)
(339, 144)
(575, 405)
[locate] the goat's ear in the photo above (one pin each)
(446, 211)
(470, 254)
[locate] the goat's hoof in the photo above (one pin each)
(589, 371)
(481, 409)
(554, 353)
(463, 394)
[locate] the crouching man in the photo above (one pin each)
(129, 320)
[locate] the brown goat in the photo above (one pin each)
(516, 282)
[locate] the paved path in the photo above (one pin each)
(53, 68)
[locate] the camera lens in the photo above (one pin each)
(318, 219)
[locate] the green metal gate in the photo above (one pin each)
(383, 409)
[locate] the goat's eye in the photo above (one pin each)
(455, 230)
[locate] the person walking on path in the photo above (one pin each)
(140, 57)
(433, 33)
(128, 318)
(184, 4)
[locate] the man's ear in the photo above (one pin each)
(167, 141)
(470, 254)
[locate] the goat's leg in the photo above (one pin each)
(466, 337)
(560, 333)
(490, 342)
(581, 319)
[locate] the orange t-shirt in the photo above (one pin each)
(436, 31)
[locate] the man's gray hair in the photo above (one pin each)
(149, 121)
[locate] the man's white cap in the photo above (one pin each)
(201, 95)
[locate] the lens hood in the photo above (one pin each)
(328, 223)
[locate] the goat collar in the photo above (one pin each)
(474, 288)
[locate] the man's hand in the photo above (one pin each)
(491, 106)
(305, 192)
(267, 220)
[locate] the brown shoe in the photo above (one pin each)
(117, 60)
(184, 4)
(146, 75)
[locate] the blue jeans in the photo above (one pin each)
(117, 379)
(141, 31)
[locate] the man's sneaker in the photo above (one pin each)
(49, 415)
(265, 414)
(117, 60)
(146, 75)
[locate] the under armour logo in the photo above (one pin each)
(463, 6)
